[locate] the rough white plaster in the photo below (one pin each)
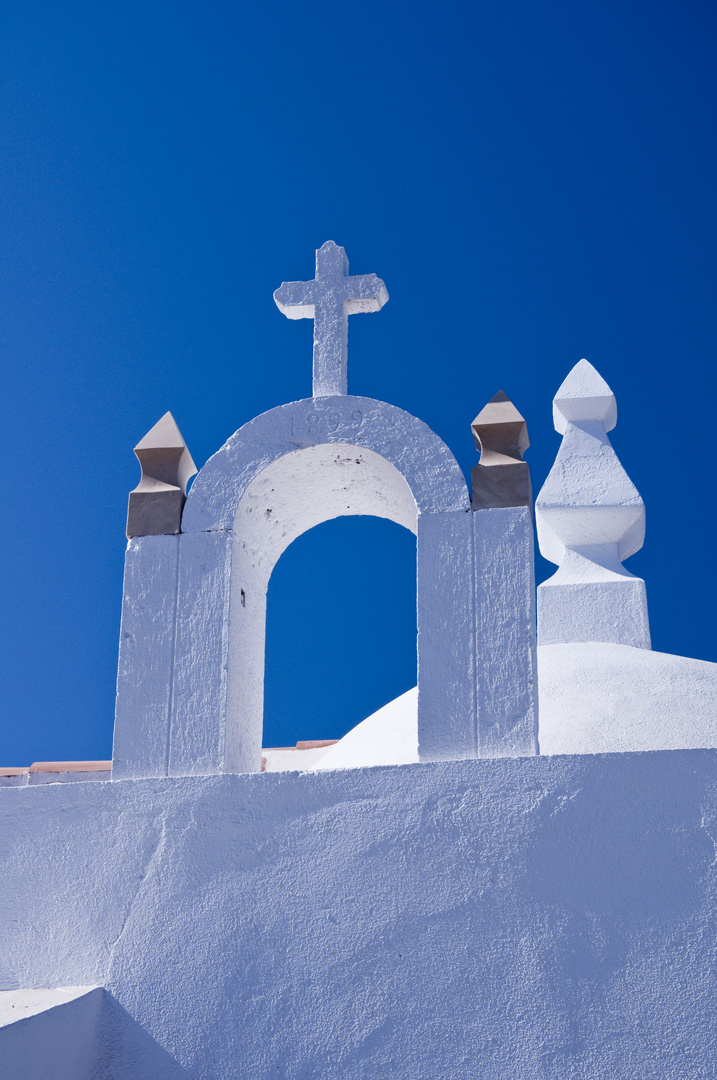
(428, 466)
(146, 657)
(589, 517)
(450, 920)
(15, 779)
(50, 1033)
(387, 737)
(447, 726)
(596, 698)
(329, 299)
(506, 665)
(307, 486)
(604, 605)
(199, 678)
(588, 499)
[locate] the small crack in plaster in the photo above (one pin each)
(146, 871)
(563, 800)
(703, 826)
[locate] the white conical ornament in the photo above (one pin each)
(589, 518)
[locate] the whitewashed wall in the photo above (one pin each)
(533, 918)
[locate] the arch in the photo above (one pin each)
(420, 456)
(307, 462)
(287, 498)
(189, 686)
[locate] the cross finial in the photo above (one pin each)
(329, 299)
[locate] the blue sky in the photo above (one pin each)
(535, 182)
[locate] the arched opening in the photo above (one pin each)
(341, 628)
(192, 652)
(290, 496)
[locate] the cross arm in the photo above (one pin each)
(364, 292)
(295, 299)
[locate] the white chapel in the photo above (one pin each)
(509, 872)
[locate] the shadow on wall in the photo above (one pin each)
(125, 1049)
(633, 868)
(341, 628)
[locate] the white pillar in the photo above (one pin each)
(590, 517)
(506, 658)
(146, 653)
(199, 692)
(446, 661)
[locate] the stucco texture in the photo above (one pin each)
(507, 919)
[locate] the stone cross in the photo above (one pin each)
(329, 299)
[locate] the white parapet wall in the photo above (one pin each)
(449, 920)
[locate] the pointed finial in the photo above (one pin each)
(155, 505)
(584, 395)
(590, 517)
(501, 477)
